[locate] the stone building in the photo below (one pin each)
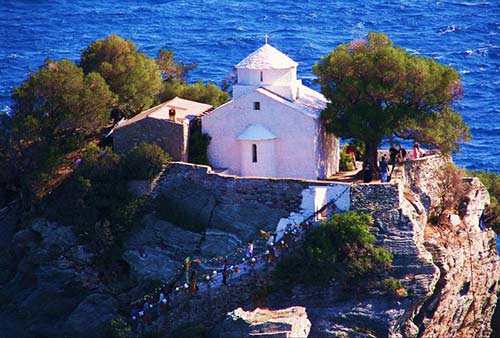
(167, 125)
(271, 127)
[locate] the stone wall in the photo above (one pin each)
(369, 197)
(168, 135)
(278, 193)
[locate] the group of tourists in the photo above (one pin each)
(396, 155)
(143, 314)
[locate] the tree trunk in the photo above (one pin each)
(371, 154)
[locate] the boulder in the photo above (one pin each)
(290, 322)
(92, 316)
(156, 250)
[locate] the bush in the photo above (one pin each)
(199, 92)
(394, 287)
(345, 163)
(359, 148)
(119, 328)
(95, 199)
(451, 189)
(144, 161)
(198, 144)
(343, 247)
(491, 181)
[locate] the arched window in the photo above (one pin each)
(254, 153)
(261, 76)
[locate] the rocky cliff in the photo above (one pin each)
(51, 286)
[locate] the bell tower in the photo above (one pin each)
(269, 68)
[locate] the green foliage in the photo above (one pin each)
(58, 99)
(343, 248)
(119, 328)
(198, 144)
(55, 110)
(491, 181)
(131, 75)
(171, 69)
(345, 163)
(170, 210)
(144, 161)
(376, 90)
(359, 148)
(190, 330)
(206, 93)
(394, 287)
(96, 200)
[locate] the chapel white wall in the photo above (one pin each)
(294, 145)
(283, 82)
(266, 158)
(269, 76)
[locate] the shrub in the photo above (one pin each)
(359, 148)
(345, 163)
(451, 189)
(144, 161)
(198, 144)
(394, 287)
(95, 199)
(119, 328)
(343, 247)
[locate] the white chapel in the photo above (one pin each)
(271, 127)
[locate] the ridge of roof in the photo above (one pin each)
(310, 102)
(267, 57)
(177, 103)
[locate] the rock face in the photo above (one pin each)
(155, 250)
(285, 323)
(54, 286)
(463, 300)
(49, 285)
(451, 271)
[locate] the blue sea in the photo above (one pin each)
(218, 34)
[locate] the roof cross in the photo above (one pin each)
(265, 38)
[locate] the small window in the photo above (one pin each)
(256, 106)
(261, 76)
(254, 153)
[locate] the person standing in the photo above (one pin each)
(393, 156)
(225, 273)
(401, 153)
(250, 249)
(367, 174)
(193, 284)
(351, 152)
(135, 317)
(417, 153)
(147, 312)
(384, 168)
